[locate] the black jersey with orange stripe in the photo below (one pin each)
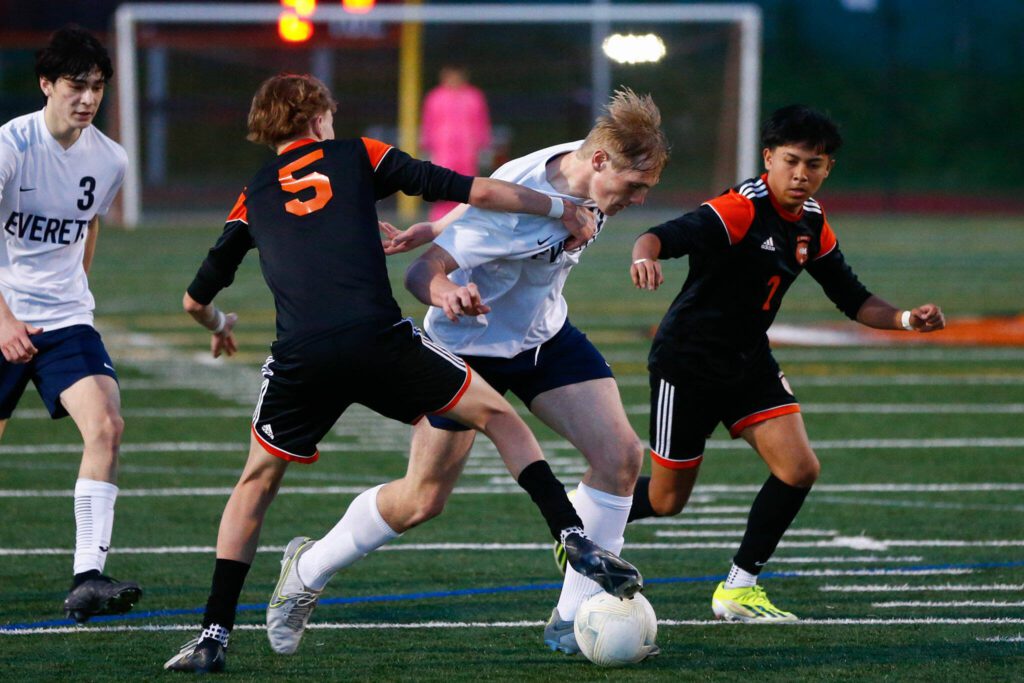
(311, 214)
(745, 251)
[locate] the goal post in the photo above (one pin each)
(746, 18)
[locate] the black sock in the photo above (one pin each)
(549, 495)
(774, 509)
(641, 500)
(228, 578)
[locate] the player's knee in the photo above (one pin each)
(803, 473)
(106, 431)
(617, 463)
(668, 503)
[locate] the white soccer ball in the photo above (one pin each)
(615, 632)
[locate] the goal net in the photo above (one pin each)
(186, 74)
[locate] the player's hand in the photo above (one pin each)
(646, 273)
(463, 301)
(927, 318)
(224, 341)
(14, 340)
(580, 223)
(397, 241)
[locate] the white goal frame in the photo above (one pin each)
(130, 15)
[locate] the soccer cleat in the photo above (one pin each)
(559, 635)
(204, 654)
(559, 550)
(612, 573)
(100, 594)
(749, 604)
(560, 559)
(292, 602)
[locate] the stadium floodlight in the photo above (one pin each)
(130, 16)
(633, 49)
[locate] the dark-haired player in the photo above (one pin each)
(710, 361)
(58, 175)
(341, 339)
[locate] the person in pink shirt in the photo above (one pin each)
(456, 127)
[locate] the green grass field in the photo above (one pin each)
(906, 563)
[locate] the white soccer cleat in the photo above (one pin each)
(292, 603)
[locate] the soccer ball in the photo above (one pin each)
(615, 632)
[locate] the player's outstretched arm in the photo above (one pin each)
(877, 313)
(221, 325)
(400, 241)
(427, 279)
(498, 195)
(646, 269)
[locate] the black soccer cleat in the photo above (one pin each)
(612, 573)
(201, 655)
(100, 594)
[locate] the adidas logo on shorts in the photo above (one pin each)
(268, 431)
(768, 245)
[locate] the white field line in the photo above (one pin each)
(435, 547)
(1003, 639)
(870, 380)
(907, 354)
(634, 409)
(930, 505)
(339, 626)
(738, 533)
(391, 445)
(511, 488)
(950, 603)
(846, 560)
(887, 408)
(907, 588)
(690, 521)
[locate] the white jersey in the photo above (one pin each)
(518, 263)
(48, 196)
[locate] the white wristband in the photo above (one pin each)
(639, 261)
(557, 208)
(905, 321)
(222, 320)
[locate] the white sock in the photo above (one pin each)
(604, 518)
(94, 520)
(360, 531)
(740, 578)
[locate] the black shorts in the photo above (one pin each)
(565, 359)
(63, 357)
(401, 375)
(686, 409)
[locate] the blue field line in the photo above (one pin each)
(431, 595)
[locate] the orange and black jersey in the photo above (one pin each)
(745, 251)
(311, 213)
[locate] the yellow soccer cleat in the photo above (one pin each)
(749, 604)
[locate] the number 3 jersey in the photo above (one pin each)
(745, 251)
(48, 196)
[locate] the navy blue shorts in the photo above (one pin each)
(565, 359)
(64, 357)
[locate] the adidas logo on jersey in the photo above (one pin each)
(768, 245)
(268, 431)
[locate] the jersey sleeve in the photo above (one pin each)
(394, 171)
(115, 186)
(218, 269)
(481, 236)
(697, 231)
(8, 165)
(837, 279)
